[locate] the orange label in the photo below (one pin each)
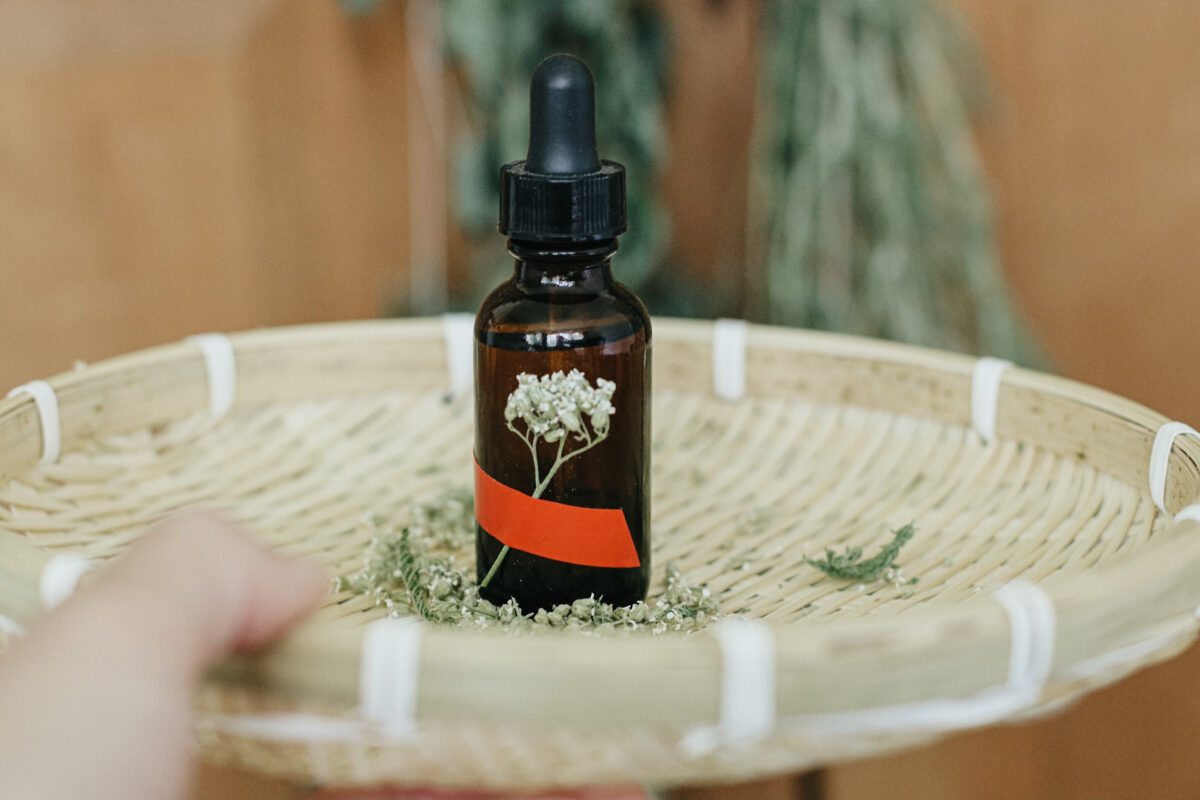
(593, 537)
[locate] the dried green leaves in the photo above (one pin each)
(851, 566)
(413, 570)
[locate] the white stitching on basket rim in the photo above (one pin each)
(57, 581)
(390, 656)
(986, 377)
(1131, 653)
(221, 366)
(459, 333)
(309, 728)
(1160, 459)
(11, 627)
(729, 359)
(46, 401)
(1033, 631)
(1191, 512)
(747, 688)
(59, 577)
(389, 674)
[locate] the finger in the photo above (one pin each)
(104, 683)
(200, 581)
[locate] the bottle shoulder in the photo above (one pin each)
(612, 313)
(634, 303)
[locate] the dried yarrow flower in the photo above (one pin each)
(411, 569)
(560, 407)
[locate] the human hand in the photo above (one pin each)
(96, 701)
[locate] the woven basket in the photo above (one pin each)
(835, 441)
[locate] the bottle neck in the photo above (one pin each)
(572, 268)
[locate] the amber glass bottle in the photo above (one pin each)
(562, 374)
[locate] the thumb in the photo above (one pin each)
(210, 589)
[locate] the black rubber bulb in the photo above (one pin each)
(562, 118)
(562, 191)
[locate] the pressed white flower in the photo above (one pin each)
(551, 406)
(551, 409)
(564, 408)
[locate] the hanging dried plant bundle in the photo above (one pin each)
(869, 197)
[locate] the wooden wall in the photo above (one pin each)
(169, 167)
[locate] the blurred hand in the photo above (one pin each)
(96, 701)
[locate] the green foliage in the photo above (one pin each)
(418, 595)
(495, 45)
(850, 566)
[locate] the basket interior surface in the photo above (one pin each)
(340, 430)
(741, 493)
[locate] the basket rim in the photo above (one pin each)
(1095, 608)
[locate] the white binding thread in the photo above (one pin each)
(10, 627)
(389, 674)
(1182, 630)
(748, 686)
(287, 727)
(1033, 628)
(1034, 624)
(747, 689)
(221, 365)
(1160, 457)
(459, 332)
(729, 359)
(47, 407)
(985, 395)
(60, 575)
(1191, 512)
(59, 578)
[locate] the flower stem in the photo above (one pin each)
(558, 462)
(495, 566)
(536, 494)
(543, 483)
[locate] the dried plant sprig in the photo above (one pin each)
(411, 570)
(448, 523)
(560, 407)
(850, 566)
(683, 608)
(411, 575)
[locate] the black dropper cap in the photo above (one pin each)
(562, 191)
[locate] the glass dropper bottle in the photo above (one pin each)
(562, 373)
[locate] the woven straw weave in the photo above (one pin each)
(837, 442)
